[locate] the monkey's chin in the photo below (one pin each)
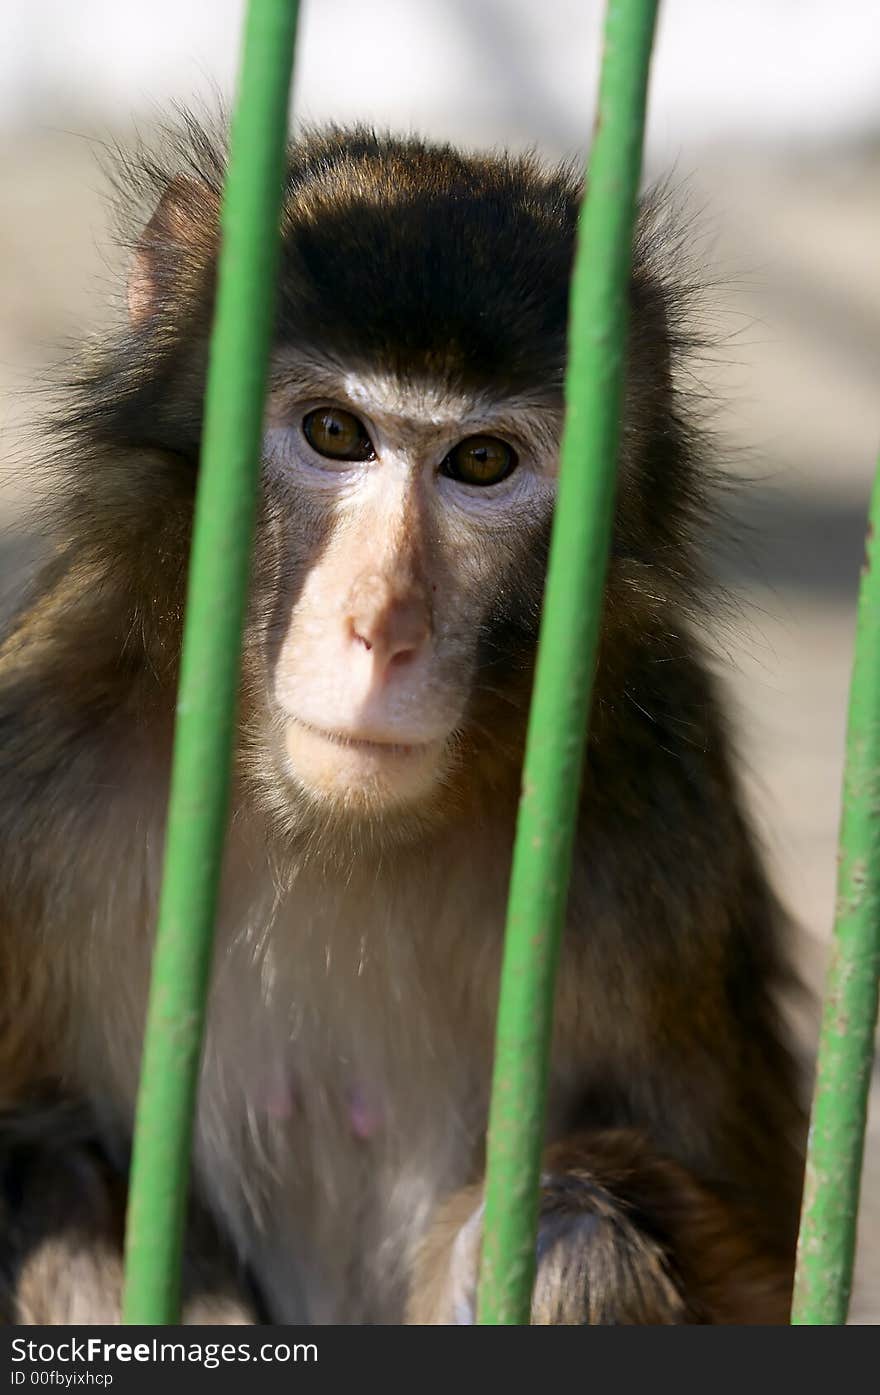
(361, 776)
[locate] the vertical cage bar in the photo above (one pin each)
(565, 663)
(207, 696)
(826, 1247)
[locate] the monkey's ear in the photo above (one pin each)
(174, 247)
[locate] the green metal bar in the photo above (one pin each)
(826, 1248)
(207, 698)
(566, 658)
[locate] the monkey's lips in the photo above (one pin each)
(357, 770)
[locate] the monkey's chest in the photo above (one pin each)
(344, 1094)
(329, 1164)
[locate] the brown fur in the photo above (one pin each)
(346, 1071)
(625, 1237)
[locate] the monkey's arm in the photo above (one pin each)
(62, 1200)
(62, 1206)
(626, 1237)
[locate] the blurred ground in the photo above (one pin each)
(793, 242)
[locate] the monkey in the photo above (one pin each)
(408, 470)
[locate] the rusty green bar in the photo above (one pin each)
(207, 697)
(565, 663)
(826, 1247)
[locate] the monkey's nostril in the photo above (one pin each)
(402, 656)
(357, 635)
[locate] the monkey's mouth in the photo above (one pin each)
(405, 749)
(352, 770)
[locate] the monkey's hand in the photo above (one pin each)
(62, 1208)
(624, 1238)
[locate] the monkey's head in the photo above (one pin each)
(410, 453)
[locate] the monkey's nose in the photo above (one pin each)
(393, 633)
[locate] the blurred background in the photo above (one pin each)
(767, 115)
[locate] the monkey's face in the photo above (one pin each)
(411, 446)
(407, 523)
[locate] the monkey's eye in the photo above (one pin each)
(337, 434)
(480, 460)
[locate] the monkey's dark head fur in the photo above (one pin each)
(414, 256)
